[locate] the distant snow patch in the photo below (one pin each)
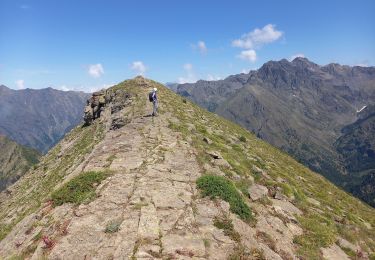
(361, 109)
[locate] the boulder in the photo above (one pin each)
(334, 252)
(215, 154)
(343, 243)
(207, 140)
(257, 191)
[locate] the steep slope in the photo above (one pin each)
(357, 147)
(297, 106)
(184, 185)
(39, 118)
(15, 160)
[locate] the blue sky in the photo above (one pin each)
(89, 44)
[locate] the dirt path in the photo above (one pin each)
(151, 196)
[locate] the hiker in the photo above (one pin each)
(154, 99)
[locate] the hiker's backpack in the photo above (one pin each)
(150, 96)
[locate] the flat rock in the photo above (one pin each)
(346, 244)
(334, 252)
(286, 206)
(221, 162)
(257, 191)
(183, 245)
(313, 201)
(207, 140)
(148, 226)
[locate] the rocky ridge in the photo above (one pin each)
(149, 206)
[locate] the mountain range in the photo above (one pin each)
(186, 184)
(306, 110)
(39, 118)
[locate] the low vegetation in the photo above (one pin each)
(79, 189)
(220, 187)
(319, 232)
(113, 227)
(226, 225)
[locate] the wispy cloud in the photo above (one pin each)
(88, 89)
(200, 46)
(139, 67)
(190, 75)
(96, 70)
(258, 37)
(301, 55)
(248, 55)
(362, 65)
(20, 84)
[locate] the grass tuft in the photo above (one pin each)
(218, 186)
(113, 227)
(318, 232)
(78, 190)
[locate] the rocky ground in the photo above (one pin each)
(150, 208)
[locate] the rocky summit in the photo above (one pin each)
(186, 184)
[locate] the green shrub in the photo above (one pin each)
(242, 138)
(79, 189)
(218, 186)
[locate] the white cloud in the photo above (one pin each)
(139, 67)
(248, 55)
(245, 71)
(20, 84)
(97, 88)
(96, 70)
(258, 37)
(200, 46)
(301, 55)
(190, 76)
(64, 88)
